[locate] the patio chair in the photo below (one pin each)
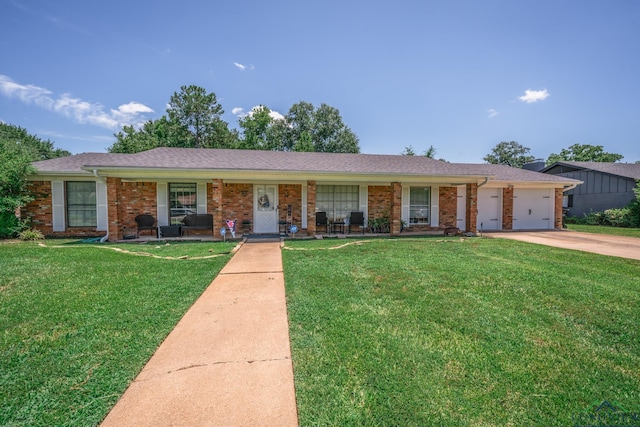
(356, 219)
(145, 222)
(322, 221)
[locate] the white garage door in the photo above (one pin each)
(489, 209)
(533, 209)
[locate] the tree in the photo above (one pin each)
(431, 152)
(583, 153)
(256, 129)
(199, 113)
(510, 154)
(408, 151)
(324, 125)
(17, 150)
(153, 134)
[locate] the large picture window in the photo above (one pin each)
(420, 205)
(182, 201)
(81, 204)
(338, 201)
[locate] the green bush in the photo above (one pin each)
(31, 234)
(9, 224)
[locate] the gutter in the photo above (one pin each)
(104, 181)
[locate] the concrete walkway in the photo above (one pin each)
(228, 361)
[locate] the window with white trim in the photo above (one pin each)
(81, 203)
(183, 201)
(338, 201)
(420, 205)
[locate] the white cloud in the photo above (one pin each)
(75, 108)
(243, 67)
(531, 96)
(239, 111)
(492, 112)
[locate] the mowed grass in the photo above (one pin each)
(601, 229)
(79, 321)
(433, 331)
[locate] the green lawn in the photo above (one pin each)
(78, 322)
(434, 331)
(601, 229)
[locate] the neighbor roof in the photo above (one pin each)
(627, 170)
(193, 159)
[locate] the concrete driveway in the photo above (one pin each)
(604, 244)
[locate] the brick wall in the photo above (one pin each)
(290, 194)
(472, 208)
(379, 202)
(40, 211)
(396, 208)
(237, 203)
(448, 207)
(311, 207)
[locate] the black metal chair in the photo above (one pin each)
(356, 219)
(322, 221)
(145, 222)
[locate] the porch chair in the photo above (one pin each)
(145, 222)
(356, 219)
(322, 221)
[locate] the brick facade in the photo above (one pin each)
(235, 201)
(448, 201)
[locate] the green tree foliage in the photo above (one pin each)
(429, 152)
(17, 150)
(510, 154)
(324, 125)
(199, 113)
(153, 134)
(256, 129)
(583, 153)
(408, 151)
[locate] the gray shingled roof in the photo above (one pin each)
(277, 161)
(627, 170)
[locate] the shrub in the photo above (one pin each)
(9, 224)
(31, 234)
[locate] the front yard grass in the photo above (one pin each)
(79, 321)
(601, 229)
(434, 331)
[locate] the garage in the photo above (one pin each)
(533, 209)
(489, 209)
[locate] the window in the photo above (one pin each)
(182, 201)
(338, 201)
(81, 204)
(420, 205)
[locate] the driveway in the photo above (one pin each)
(604, 244)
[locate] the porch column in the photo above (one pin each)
(472, 208)
(396, 208)
(507, 208)
(113, 212)
(311, 208)
(214, 204)
(558, 209)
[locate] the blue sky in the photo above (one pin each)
(459, 75)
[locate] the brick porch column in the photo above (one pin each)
(113, 212)
(396, 208)
(311, 208)
(472, 208)
(507, 208)
(557, 223)
(214, 204)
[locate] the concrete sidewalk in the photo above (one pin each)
(228, 361)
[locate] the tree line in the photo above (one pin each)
(193, 119)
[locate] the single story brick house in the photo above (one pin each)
(606, 185)
(100, 194)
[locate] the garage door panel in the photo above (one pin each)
(489, 208)
(532, 209)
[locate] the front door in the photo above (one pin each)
(265, 214)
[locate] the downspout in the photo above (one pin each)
(101, 179)
(486, 179)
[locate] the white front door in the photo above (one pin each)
(265, 214)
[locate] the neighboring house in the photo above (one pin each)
(605, 185)
(98, 194)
